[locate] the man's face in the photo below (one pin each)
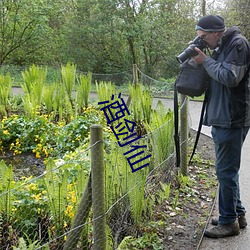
(211, 38)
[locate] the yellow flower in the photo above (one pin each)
(45, 151)
(37, 196)
(14, 209)
(6, 132)
(69, 211)
(38, 155)
(31, 187)
(73, 199)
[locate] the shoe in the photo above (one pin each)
(241, 219)
(221, 231)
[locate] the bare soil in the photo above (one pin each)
(187, 222)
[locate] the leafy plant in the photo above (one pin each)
(160, 131)
(164, 191)
(22, 245)
(147, 241)
(5, 90)
(83, 91)
(141, 103)
(34, 81)
(30, 208)
(6, 184)
(105, 90)
(48, 98)
(68, 74)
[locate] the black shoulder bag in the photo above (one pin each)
(191, 81)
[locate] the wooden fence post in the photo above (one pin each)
(135, 74)
(135, 82)
(184, 135)
(98, 194)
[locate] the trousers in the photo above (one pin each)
(228, 146)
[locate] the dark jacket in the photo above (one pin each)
(228, 103)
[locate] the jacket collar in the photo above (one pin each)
(231, 32)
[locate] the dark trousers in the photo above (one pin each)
(228, 145)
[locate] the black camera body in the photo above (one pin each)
(190, 51)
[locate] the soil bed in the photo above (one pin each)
(25, 164)
(188, 220)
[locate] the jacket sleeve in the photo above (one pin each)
(234, 66)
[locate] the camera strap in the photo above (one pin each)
(176, 126)
(199, 127)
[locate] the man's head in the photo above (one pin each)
(211, 28)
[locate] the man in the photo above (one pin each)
(228, 112)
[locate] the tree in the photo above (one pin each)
(20, 22)
(237, 13)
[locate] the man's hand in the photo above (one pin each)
(200, 58)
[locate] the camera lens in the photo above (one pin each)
(187, 53)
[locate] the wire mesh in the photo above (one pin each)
(43, 210)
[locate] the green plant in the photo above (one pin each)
(56, 187)
(160, 131)
(68, 74)
(105, 90)
(164, 191)
(184, 181)
(147, 241)
(176, 199)
(141, 103)
(48, 98)
(29, 245)
(83, 91)
(30, 208)
(5, 90)
(6, 184)
(34, 81)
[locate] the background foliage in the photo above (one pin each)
(106, 36)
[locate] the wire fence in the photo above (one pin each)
(58, 209)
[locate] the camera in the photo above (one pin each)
(190, 51)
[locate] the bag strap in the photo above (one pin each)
(176, 126)
(199, 127)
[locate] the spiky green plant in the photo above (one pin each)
(48, 98)
(33, 85)
(105, 90)
(141, 105)
(83, 90)
(5, 90)
(160, 132)
(62, 106)
(120, 181)
(68, 74)
(6, 184)
(56, 185)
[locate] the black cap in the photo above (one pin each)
(210, 23)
